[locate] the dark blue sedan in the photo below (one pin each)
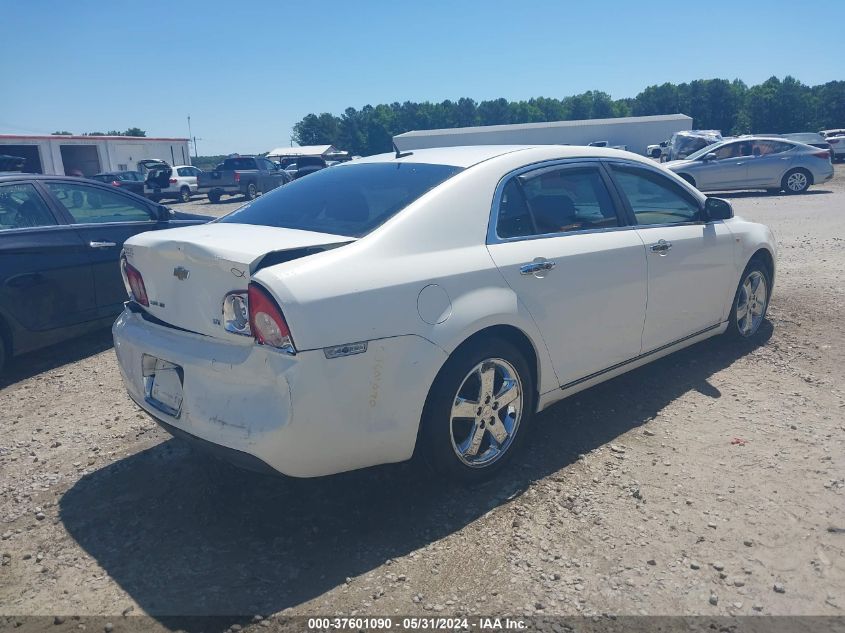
(60, 241)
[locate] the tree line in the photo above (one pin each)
(132, 131)
(774, 106)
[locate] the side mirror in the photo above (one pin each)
(709, 157)
(718, 209)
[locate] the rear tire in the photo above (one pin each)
(492, 383)
(796, 181)
(214, 197)
(751, 301)
(185, 194)
(251, 191)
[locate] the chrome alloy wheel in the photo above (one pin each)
(486, 413)
(797, 181)
(751, 303)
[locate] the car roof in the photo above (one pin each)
(469, 155)
(19, 175)
(13, 175)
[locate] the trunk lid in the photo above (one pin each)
(188, 271)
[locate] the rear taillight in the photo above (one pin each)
(172, 181)
(237, 177)
(134, 283)
(115, 183)
(266, 321)
(823, 154)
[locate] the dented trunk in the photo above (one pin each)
(188, 271)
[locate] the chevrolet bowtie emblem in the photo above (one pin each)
(181, 273)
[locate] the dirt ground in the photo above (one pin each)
(709, 482)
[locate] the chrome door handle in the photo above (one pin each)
(537, 268)
(101, 244)
(661, 248)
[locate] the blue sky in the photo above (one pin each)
(246, 72)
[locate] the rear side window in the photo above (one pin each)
(654, 198)
(764, 148)
(555, 200)
(349, 200)
(21, 208)
(93, 205)
(238, 163)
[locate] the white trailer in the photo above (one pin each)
(635, 132)
(58, 154)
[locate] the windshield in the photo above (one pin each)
(350, 200)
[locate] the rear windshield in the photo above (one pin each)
(349, 200)
(237, 163)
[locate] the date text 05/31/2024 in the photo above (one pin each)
(416, 624)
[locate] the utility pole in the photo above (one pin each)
(191, 137)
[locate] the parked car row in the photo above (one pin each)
(242, 175)
(158, 182)
(253, 175)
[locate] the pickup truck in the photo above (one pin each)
(241, 175)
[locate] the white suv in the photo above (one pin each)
(179, 181)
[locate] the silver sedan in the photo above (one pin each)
(773, 164)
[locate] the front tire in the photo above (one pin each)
(214, 197)
(185, 194)
(751, 301)
(796, 181)
(478, 411)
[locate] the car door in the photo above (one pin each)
(729, 170)
(269, 175)
(104, 219)
(691, 275)
(46, 278)
(769, 161)
(558, 238)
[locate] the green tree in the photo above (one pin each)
(729, 106)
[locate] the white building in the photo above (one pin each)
(58, 154)
(635, 132)
(328, 152)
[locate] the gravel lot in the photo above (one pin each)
(709, 482)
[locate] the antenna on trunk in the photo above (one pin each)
(400, 154)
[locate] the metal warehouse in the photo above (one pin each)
(635, 132)
(58, 154)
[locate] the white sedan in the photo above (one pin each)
(431, 301)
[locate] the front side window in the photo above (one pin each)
(733, 150)
(21, 208)
(349, 200)
(654, 198)
(93, 205)
(555, 200)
